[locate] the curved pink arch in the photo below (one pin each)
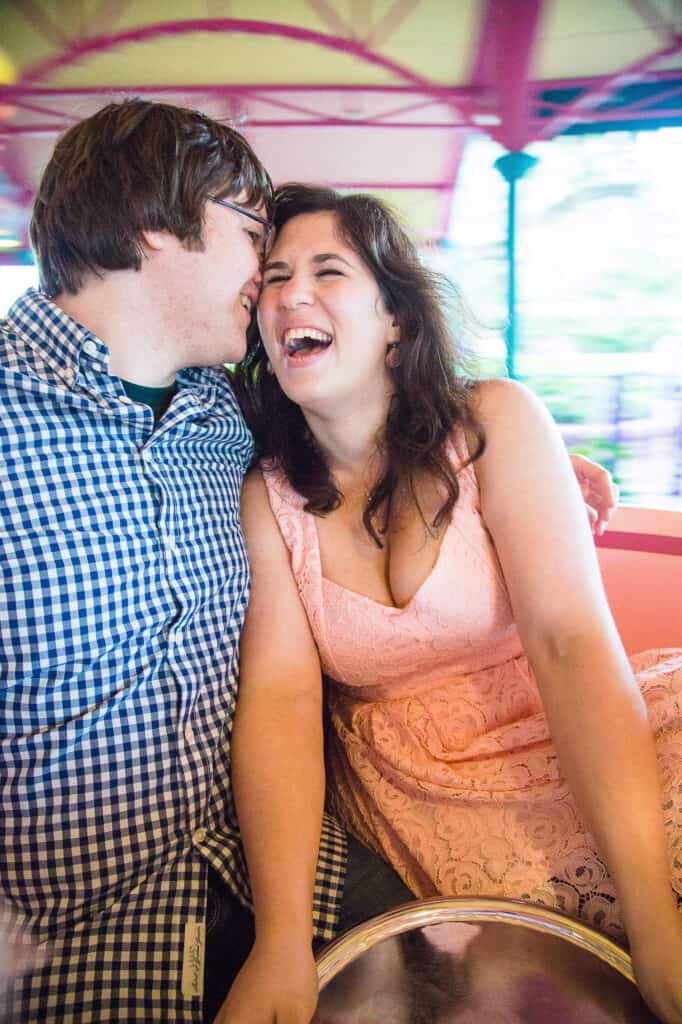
(103, 43)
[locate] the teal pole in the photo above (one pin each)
(512, 167)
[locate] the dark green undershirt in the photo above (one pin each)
(158, 399)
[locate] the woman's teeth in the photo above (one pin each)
(298, 339)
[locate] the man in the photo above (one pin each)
(124, 578)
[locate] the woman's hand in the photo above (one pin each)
(17, 957)
(657, 962)
(275, 986)
(599, 492)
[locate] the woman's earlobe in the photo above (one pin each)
(393, 355)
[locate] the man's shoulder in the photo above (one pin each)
(212, 381)
(33, 336)
(214, 393)
(15, 355)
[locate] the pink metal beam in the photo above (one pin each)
(624, 108)
(410, 108)
(589, 81)
(482, 69)
(336, 122)
(454, 161)
(630, 114)
(37, 108)
(646, 101)
(653, 19)
(516, 31)
(438, 92)
(572, 112)
(298, 109)
(448, 94)
(499, 80)
(361, 17)
(103, 43)
(270, 101)
(38, 20)
(331, 18)
(56, 127)
(106, 16)
(376, 186)
(392, 20)
(7, 130)
(18, 100)
(71, 12)
(624, 113)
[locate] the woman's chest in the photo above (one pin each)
(391, 574)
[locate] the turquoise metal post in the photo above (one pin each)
(512, 167)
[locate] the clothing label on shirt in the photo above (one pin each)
(193, 960)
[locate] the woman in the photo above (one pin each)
(424, 542)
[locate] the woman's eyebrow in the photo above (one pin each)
(324, 256)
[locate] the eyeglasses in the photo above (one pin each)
(267, 225)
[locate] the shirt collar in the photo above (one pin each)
(60, 343)
(56, 340)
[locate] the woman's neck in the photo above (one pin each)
(351, 443)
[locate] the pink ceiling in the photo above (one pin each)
(378, 94)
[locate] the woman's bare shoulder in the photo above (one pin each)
(499, 395)
(255, 503)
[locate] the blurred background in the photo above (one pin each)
(533, 147)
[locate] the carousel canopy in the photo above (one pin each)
(376, 95)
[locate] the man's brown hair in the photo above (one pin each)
(134, 166)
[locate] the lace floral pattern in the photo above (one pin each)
(440, 756)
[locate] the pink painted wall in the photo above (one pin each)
(643, 576)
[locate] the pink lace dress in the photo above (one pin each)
(439, 755)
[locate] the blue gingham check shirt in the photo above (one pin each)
(123, 587)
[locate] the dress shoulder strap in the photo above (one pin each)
(466, 474)
(300, 536)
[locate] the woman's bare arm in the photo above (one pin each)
(534, 511)
(278, 777)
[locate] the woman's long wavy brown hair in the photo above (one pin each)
(432, 397)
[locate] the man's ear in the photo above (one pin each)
(154, 241)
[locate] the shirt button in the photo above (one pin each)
(90, 348)
(189, 734)
(199, 835)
